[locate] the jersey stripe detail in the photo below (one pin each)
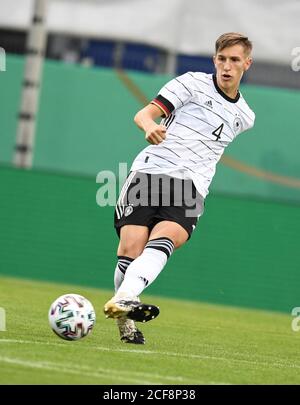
(171, 150)
(213, 112)
(179, 123)
(206, 122)
(162, 157)
(174, 95)
(169, 120)
(184, 86)
(196, 78)
(120, 206)
(196, 139)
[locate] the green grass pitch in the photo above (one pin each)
(189, 343)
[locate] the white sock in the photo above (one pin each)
(123, 263)
(145, 268)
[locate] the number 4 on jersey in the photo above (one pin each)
(217, 132)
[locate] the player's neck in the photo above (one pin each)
(230, 93)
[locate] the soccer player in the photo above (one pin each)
(163, 196)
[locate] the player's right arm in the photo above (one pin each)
(173, 95)
(145, 120)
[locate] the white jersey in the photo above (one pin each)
(201, 122)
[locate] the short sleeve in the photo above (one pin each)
(175, 94)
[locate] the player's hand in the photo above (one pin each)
(156, 134)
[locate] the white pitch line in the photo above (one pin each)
(84, 371)
(172, 378)
(204, 357)
(169, 354)
(77, 370)
(30, 342)
(138, 374)
(106, 349)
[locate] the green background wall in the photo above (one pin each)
(245, 249)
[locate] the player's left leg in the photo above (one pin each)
(124, 305)
(165, 236)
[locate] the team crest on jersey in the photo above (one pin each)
(128, 210)
(237, 124)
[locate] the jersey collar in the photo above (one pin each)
(231, 100)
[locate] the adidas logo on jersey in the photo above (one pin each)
(209, 104)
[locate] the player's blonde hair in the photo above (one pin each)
(231, 39)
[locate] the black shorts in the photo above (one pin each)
(147, 199)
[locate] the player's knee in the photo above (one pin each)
(171, 230)
(179, 242)
(131, 248)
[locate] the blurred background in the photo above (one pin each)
(76, 72)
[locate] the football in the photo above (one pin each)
(72, 316)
